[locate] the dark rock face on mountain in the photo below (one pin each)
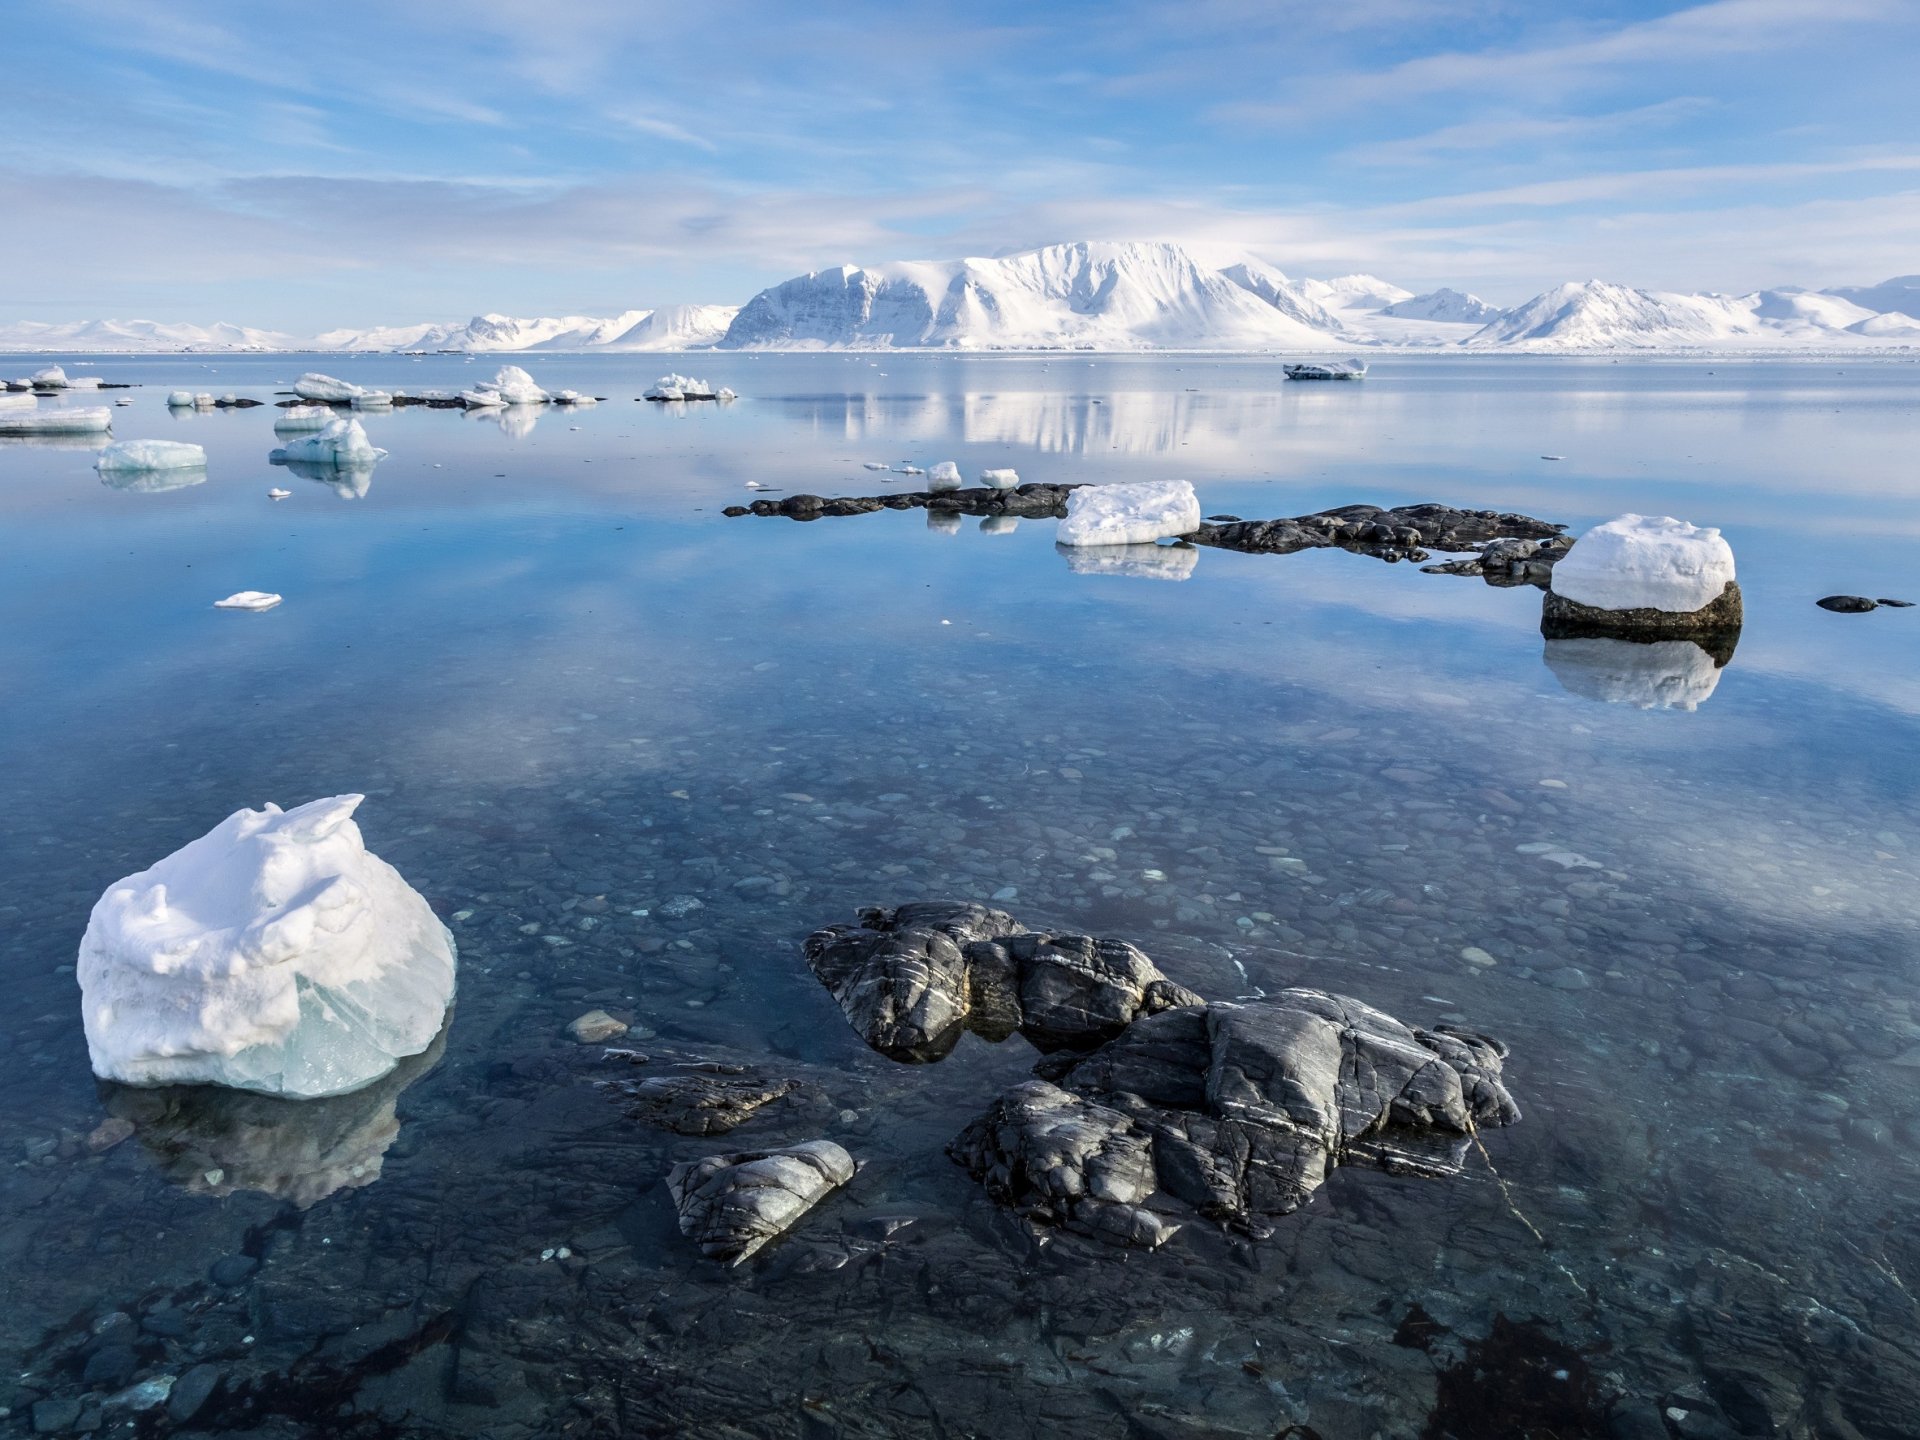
(732, 1205)
(913, 979)
(1244, 1109)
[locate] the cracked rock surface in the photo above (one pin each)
(732, 1205)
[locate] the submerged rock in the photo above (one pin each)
(1396, 534)
(913, 979)
(732, 1205)
(1245, 1108)
(708, 1100)
(1848, 604)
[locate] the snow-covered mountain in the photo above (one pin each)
(1085, 295)
(1103, 296)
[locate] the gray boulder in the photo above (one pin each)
(732, 1205)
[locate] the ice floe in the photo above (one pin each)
(686, 387)
(84, 421)
(574, 397)
(325, 389)
(944, 476)
(340, 443)
(17, 400)
(1641, 562)
(278, 494)
(51, 378)
(510, 386)
(1000, 479)
(372, 400)
(1134, 513)
(134, 455)
(296, 417)
(248, 600)
(273, 954)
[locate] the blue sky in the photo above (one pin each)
(296, 167)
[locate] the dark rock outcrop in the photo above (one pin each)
(1026, 501)
(911, 980)
(704, 1100)
(1510, 562)
(1401, 533)
(732, 1205)
(1848, 604)
(1245, 1109)
(1561, 617)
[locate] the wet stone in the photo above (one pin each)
(702, 1103)
(732, 1205)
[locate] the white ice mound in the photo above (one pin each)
(685, 387)
(180, 400)
(482, 399)
(510, 386)
(90, 420)
(1152, 562)
(372, 400)
(248, 600)
(1644, 562)
(131, 455)
(272, 954)
(1667, 675)
(324, 388)
(18, 400)
(944, 476)
(340, 443)
(1135, 513)
(51, 378)
(292, 419)
(1000, 479)
(574, 397)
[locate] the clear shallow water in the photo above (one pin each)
(573, 691)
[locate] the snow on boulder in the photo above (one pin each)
(325, 389)
(89, 421)
(339, 443)
(1135, 513)
(1000, 479)
(1643, 562)
(129, 455)
(273, 954)
(294, 418)
(944, 476)
(51, 378)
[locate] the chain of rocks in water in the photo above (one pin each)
(1399, 533)
(1034, 501)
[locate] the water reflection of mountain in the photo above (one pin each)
(1149, 562)
(1663, 675)
(349, 482)
(214, 1141)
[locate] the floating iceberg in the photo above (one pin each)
(133, 455)
(1641, 562)
(945, 476)
(340, 443)
(1663, 675)
(87, 421)
(482, 399)
(248, 600)
(279, 494)
(685, 387)
(297, 417)
(325, 389)
(574, 397)
(51, 378)
(510, 386)
(1131, 514)
(1000, 479)
(273, 954)
(372, 400)
(1152, 562)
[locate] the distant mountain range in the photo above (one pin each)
(1104, 296)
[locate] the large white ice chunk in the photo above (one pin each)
(51, 378)
(180, 400)
(295, 417)
(510, 386)
(86, 421)
(686, 387)
(1666, 675)
(129, 455)
(945, 476)
(1643, 562)
(272, 954)
(324, 388)
(340, 443)
(1135, 513)
(1000, 479)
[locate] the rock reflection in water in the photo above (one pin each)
(348, 482)
(212, 1140)
(1661, 675)
(1151, 562)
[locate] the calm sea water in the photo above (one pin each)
(574, 692)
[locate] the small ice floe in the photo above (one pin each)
(17, 400)
(203, 401)
(274, 953)
(1149, 562)
(1553, 457)
(296, 418)
(945, 476)
(874, 465)
(123, 400)
(574, 397)
(1006, 480)
(1646, 574)
(482, 399)
(278, 494)
(510, 386)
(686, 387)
(85, 421)
(372, 400)
(246, 600)
(180, 400)
(51, 378)
(341, 443)
(135, 455)
(908, 470)
(1134, 513)
(325, 389)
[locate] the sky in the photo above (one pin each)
(299, 167)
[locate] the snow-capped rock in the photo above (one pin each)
(88, 420)
(133, 455)
(1641, 562)
(944, 476)
(1453, 306)
(51, 378)
(325, 389)
(339, 443)
(1134, 513)
(1085, 295)
(1000, 479)
(1665, 675)
(275, 954)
